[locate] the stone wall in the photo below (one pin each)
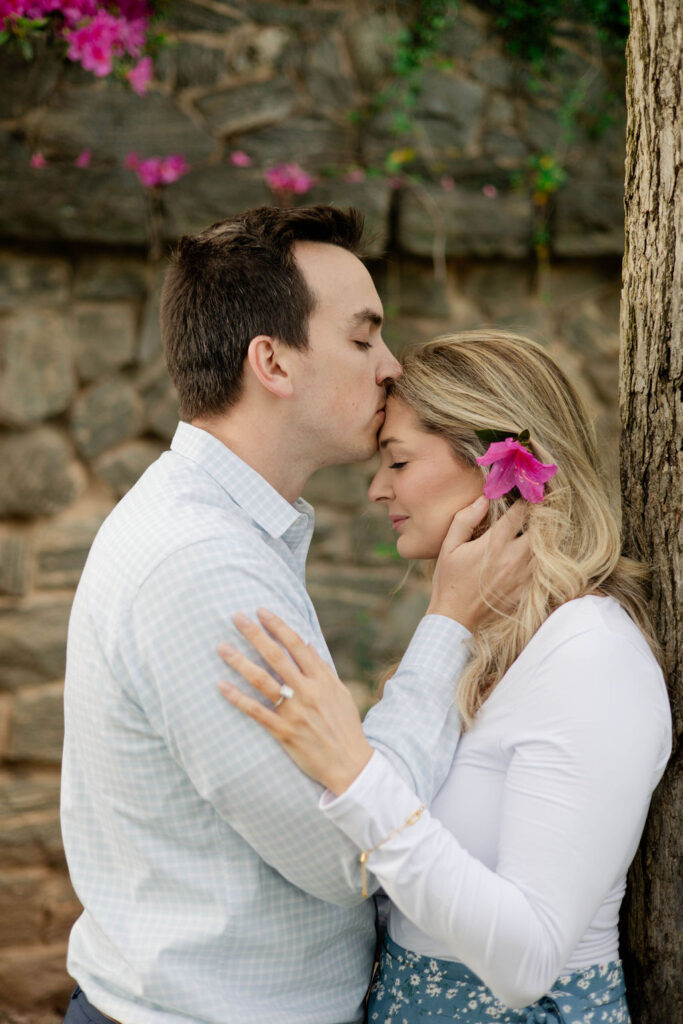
(85, 403)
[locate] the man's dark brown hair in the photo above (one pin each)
(233, 281)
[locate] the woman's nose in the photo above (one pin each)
(380, 488)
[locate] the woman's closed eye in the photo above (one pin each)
(363, 344)
(397, 465)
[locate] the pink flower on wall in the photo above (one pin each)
(240, 159)
(83, 159)
(490, 191)
(140, 75)
(289, 178)
(37, 160)
(513, 465)
(157, 170)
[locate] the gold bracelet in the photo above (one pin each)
(411, 820)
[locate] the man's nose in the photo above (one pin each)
(388, 367)
(380, 487)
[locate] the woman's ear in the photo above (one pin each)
(268, 360)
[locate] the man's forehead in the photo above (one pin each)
(339, 280)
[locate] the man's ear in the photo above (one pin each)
(269, 362)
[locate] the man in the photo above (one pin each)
(213, 889)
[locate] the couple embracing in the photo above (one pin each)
(228, 820)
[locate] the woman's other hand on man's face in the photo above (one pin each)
(475, 580)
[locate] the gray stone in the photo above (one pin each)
(343, 487)
(54, 204)
(332, 536)
(14, 564)
(62, 548)
(495, 70)
(371, 43)
(34, 978)
(466, 34)
(419, 291)
(373, 539)
(160, 402)
(29, 818)
(198, 65)
(104, 277)
(312, 142)
(36, 371)
(37, 474)
(499, 288)
(543, 128)
(25, 84)
(105, 415)
(33, 643)
(302, 14)
(37, 279)
(474, 224)
(21, 911)
(37, 724)
(252, 105)
(197, 17)
(507, 149)
(105, 337)
(455, 99)
(149, 338)
(500, 113)
(327, 75)
(372, 196)
(123, 466)
(114, 121)
(258, 48)
(589, 219)
(210, 194)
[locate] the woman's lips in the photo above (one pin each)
(397, 521)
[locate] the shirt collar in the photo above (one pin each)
(244, 485)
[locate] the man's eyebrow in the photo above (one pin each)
(366, 316)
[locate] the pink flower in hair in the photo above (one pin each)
(513, 465)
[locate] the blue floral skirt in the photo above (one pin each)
(409, 987)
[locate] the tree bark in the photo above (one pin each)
(651, 403)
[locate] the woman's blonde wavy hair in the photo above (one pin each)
(481, 379)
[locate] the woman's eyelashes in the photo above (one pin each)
(397, 465)
(363, 344)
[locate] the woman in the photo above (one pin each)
(506, 893)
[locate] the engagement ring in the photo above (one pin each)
(286, 693)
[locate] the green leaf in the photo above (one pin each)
(493, 436)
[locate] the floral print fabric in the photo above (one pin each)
(409, 987)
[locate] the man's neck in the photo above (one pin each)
(271, 452)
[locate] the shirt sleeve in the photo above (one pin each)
(581, 771)
(181, 613)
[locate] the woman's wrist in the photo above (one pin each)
(340, 775)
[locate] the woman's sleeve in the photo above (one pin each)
(582, 764)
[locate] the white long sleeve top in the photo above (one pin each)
(520, 868)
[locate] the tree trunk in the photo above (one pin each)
(651, 403)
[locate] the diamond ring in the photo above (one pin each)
(286, 693)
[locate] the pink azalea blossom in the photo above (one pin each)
(355, 176)
(157, 170)
(490, 191)
(447, 183)
(513, 465)
(140, 76)
(289, 178)
(37, 160)
(240, 159)
(83, 159)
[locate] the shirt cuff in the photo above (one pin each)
(377, 802)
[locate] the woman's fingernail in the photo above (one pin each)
(226, 650)
(225, 688)
(240, 620)
(265, 614)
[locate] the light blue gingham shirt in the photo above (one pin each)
(214, 889)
